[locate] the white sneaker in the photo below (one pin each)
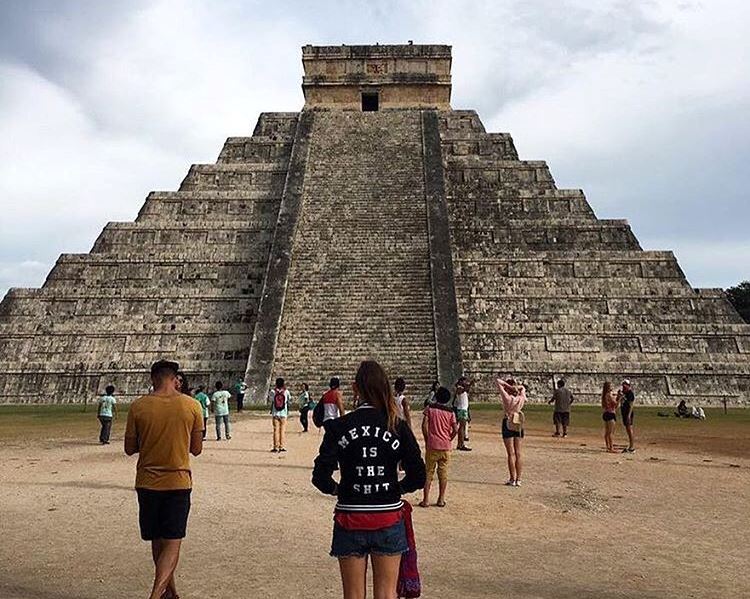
(510, 483)
(518, 483)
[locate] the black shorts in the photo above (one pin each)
(509, 434)
(607, 416)
(163, 514)
(625, 419)
(561, 418)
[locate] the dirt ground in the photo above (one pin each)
(671, 520)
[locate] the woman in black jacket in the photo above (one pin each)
(368, 444)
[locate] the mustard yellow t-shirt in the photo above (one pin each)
(162, 426)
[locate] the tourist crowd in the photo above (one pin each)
(368, 459)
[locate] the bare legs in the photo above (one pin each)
(426, 491)
(517, 453)
(354, 577)
(515, 464)
(166, 553)
(384, 576)
(609, 428)
(462, 424)
(631, 440)
(442, 486)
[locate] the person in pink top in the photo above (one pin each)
(439, 428)
(513, 396)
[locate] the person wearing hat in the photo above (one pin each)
(627, 399)
(164, 428)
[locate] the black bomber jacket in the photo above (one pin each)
(368, 455)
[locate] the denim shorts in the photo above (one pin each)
(361, 543)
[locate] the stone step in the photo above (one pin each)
(260, 176)
(367, 170)
(572, 287)
(276, 124)
(619, 327)
(256, 149)
(643, 367)
(478, 241)
(498, 146)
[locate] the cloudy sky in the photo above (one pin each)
(645, 105)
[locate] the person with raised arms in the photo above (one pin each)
(513, 397)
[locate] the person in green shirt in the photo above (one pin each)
(105, 412)
(205, 402)
(240, 388)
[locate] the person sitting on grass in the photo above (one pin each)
(682, 410)
(439, 428)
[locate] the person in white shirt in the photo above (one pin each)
(220, 400)
(461, 404)
(404, 410)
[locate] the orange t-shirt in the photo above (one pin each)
(162, 426)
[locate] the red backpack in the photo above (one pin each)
(279, 399)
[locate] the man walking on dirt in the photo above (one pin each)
(164, 428)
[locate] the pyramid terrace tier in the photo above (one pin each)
(572, 264)
(474, 237)
(260, 176)
(484, 312)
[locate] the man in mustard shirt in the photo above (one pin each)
(164, 428)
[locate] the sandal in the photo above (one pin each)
(423, 504)
(440, 504)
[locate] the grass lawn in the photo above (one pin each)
(720, 433)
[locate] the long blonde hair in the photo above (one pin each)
(375, 389)
(606, 394)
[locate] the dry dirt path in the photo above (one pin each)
(662, 522)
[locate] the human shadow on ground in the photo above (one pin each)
(273, 465)
(75, 484)
(25, 592)
(237, 449)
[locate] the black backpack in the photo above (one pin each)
(319, 413)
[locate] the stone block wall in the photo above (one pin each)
(410, 236)
(182, 281)
(545, 289)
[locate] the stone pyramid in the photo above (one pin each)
(377, 222)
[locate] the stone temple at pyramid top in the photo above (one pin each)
(371, 78)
